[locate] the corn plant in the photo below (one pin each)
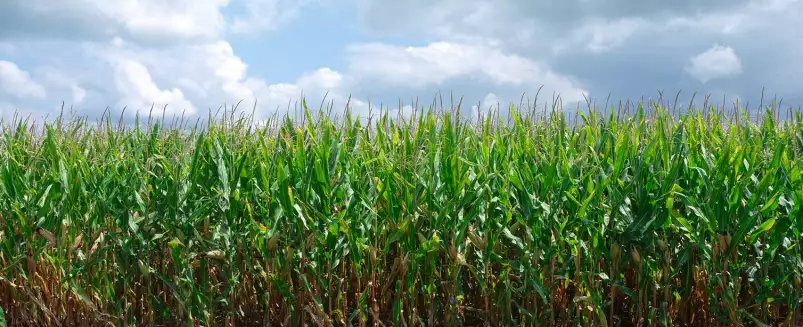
(655, 217)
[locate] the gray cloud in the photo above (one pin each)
(522, 20)
(21, 19)
(625, 48)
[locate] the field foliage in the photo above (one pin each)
(638, 215)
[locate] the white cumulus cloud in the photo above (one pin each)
(716, 62)
(439, 62)
(143, 53)
(139, 91)
(211, 74)
(18, 82)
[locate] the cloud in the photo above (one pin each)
(137, 52)
(489, 104)
(266, 15)
(323, 78)
(210, 73)
(143, 53)
(136, 86)
(602, 25)
(78, 94)
(498, 18)
(617, 47)
(439, 62)
(19, 83)
(148, 21)
(283, 97)
(57, 80)
(598, 35)
(152, 22)
(716, 62)
(192, 77)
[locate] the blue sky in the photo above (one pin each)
(193, 55)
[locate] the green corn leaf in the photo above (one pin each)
(512, 238)
(764, 227)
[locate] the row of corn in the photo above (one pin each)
(529, 218)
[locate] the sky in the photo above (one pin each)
(192, 56)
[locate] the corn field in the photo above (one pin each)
(631, 216)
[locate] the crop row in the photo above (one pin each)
(654, 218)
